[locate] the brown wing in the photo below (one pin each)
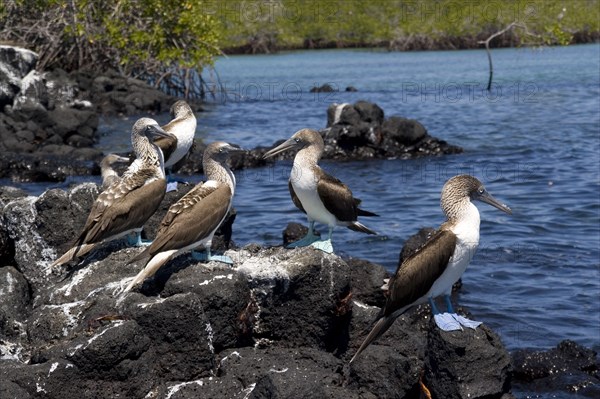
(336, 197)
(417, 273)
(295, 198)
(167, 145)
(125, 205)
(192, 218)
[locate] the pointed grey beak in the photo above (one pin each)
(234, 148)
(157, 131)
(120, 159)
(488, 199)
(286, 145)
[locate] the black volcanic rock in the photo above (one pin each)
(450, 360)
(359, 131)
(16, 64)
(402, 130)
(369, 112)
(568, 367)
(278, 323)
(324, 88)
(49, 120)
(367, 279)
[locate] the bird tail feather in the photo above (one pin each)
(381, 326)
(73, 253)
(362, 212)
(151, 267)
(357, 226)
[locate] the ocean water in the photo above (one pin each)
(534, 141)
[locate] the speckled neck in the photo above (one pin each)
(218, 171)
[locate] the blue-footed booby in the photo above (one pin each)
(440, 262)
(109, 175)
(126, 205)
(321, 196)
(192, 221)
(182, 128)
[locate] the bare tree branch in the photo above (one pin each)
(487, 41)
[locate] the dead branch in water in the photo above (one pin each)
(487, 41)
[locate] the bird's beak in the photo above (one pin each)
(233, 148)
(488, 199)
(157, 131)
(121, 159)
(286, 145)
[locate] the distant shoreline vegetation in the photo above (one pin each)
(255, 27)
(169, 43)
(407, 43)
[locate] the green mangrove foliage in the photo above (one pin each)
(258, 26)
(169, 42)
(166, 42)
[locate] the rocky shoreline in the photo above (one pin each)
(279, 323)
(49, 121)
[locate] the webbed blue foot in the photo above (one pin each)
(172, 182)
(171, 186)
(307, 240)
(463, 321)
(207, 257)
(446, 322)
(135, 240)
(304, 242)
(466, 322)
(323, 245)
(221, 258)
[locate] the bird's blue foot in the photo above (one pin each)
(221, 258)
(323, 245)
(466, 322)
(446, 321)
(172, 182)
(135, 240)
(463, 321)
(304, 242)
(171, 186)
(207, 257)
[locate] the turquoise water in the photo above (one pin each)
(534, 141)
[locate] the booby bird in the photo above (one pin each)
(109, 175)
(440, 262)
(124, 207)
(182, 128)
(192, 221)
(321, 196)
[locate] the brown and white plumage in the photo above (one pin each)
(441, 261)
(322, 197)
(109, 175)
(182, 128)
(192, 221)
(127, 204)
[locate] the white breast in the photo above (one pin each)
(184, 132)
(304, 183)
(467, 234)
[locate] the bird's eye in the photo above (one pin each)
(221, 149)
(297, 140)
(481, 190)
